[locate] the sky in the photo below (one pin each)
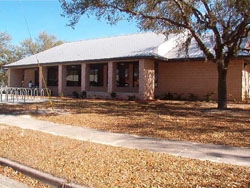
(23, 19)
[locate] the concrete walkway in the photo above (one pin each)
(211, 152)
(6, 182)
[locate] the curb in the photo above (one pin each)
(44, 177)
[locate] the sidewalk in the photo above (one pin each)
(6, 182)
(211, 152)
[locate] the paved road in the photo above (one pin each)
(6, 182)
(211, 152)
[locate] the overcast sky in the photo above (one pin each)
(45, 15)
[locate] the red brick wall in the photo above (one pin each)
(29, 75)
(185, 78)
(15, 78)
(198, 78)
(234, 80)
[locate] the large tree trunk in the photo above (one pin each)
(222, 84)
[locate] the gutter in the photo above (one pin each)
(115, 59)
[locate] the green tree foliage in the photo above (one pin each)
(227, 20)
(43, 42)
(4, 47)
(10, 53)
(6, 55)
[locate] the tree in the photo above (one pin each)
(10, 53)
(6, 55)
(227, 20)
(42, 43)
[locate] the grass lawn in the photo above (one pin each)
(98, 165)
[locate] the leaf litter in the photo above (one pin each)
(97, 165)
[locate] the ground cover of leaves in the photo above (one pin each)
(103, 166)
(174, 120)
(15, 175)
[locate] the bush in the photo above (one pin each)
(168, 96)
(171, 96)
(193, 97)
(113, 95)
(61, 94)
(83, 94)
(75, 94)
(179, 97)
(131, 98)
(209, 96)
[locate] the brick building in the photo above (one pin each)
(141, 65)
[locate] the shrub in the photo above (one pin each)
(131, 98)
(171, 96)
(113, 95)
(178, 97)
(83, 94)
(209, 96)
(75, 94)
(61, 94)
(168, 96)
(193, 97)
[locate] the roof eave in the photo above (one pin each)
(152, 57)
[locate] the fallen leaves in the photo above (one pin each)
(103, 166)
(9, 172)
(173, 120)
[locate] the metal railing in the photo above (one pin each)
(20, 94)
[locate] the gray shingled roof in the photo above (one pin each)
(142, 45)
(136, 45)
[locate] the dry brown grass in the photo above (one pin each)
(103, 166)
(174, 120)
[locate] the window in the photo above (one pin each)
(156, 74)
(52, 76)
(136, 74)
(96, 75)
(125, 72)
(36, 77)
(122, 77)
(73, 75)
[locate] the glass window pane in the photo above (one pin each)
(52, 76)
(136, 74)
(122, 77)
(73, 75)
(96, 75)
(123, 72)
